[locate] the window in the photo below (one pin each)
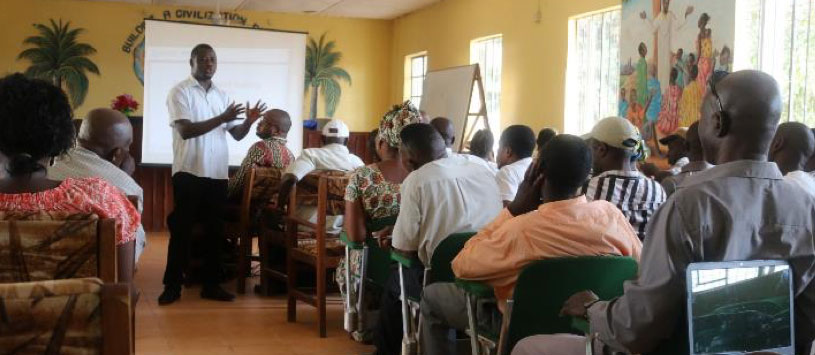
(778, 37)
(487, 52)
(415, 72)
(593, 69)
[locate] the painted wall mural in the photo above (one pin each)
(323, 75)
(669, 50)
(57, 55)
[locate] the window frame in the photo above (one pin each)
(495, 114)
(410, 77)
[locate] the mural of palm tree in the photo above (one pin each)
(323, 75)
(56, 56)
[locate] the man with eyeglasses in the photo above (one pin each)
(742, 209)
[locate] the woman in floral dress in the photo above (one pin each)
(36, 126)
(373, 190)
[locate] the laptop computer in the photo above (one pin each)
(740, 307)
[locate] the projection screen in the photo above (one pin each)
(252, 64)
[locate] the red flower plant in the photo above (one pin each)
(125, 104)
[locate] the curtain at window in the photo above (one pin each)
(593, 78)
(778, 37)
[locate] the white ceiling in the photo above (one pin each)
(375, 9)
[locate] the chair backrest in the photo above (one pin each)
(40, 246)
(378, 259)
(336, 182)
(544, 286)
(441, 269)
(65, 316)
(263, 184)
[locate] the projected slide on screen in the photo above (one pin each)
(252, 65)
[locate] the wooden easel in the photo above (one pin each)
(469, 127)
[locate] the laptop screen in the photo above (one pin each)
(737, 307)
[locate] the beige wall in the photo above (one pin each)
(534, 56)
(365, 45)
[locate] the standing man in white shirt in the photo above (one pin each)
(103, 150)
(792, 147)
(442, 195)
(333, 155)
(514, 157)
(201, 114)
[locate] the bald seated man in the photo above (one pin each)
(792, 147)
(270, 152)
(103, 151)
(739, 210)
(447, 131)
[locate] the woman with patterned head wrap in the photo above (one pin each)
(372, 196)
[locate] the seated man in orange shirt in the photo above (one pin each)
(549, 218)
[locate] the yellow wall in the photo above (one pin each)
(365, 45)
(534, 56)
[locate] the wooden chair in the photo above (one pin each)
(47, 246)
(315, 250)
(66, 317)
(259, 190)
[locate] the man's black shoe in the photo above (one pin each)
(170, 295)
(216, 293)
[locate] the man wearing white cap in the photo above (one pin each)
(616, 145)
(333, 155)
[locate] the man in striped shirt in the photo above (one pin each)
(615, 144)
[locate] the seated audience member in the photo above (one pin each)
(616, 145)
(740, 209)
(373, 190)
(103, 151)
(695, 155)
(270, 152)
(447, 131)
(442, 195)
(677, 144)
(792, 147)
(514, 158)
(548, 219)
(35, 128)
(333, 155)
(544, 136)
(810, 167)
(481, 146)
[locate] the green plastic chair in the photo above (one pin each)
(374, 271)
(542, 288)
(440, 270)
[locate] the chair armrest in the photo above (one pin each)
(403, 259)
(476, 288)
(581, 325)
(349, 243)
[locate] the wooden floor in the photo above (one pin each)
(250, 325)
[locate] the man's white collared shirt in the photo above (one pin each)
(206, 155)
(510, 176)
(329, 157)
(443, 197)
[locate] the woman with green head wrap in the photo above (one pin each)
(373, 191)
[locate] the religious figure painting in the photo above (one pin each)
(669, 50)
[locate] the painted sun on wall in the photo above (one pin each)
(669, 50)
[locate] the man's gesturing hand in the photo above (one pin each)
(232, 111)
